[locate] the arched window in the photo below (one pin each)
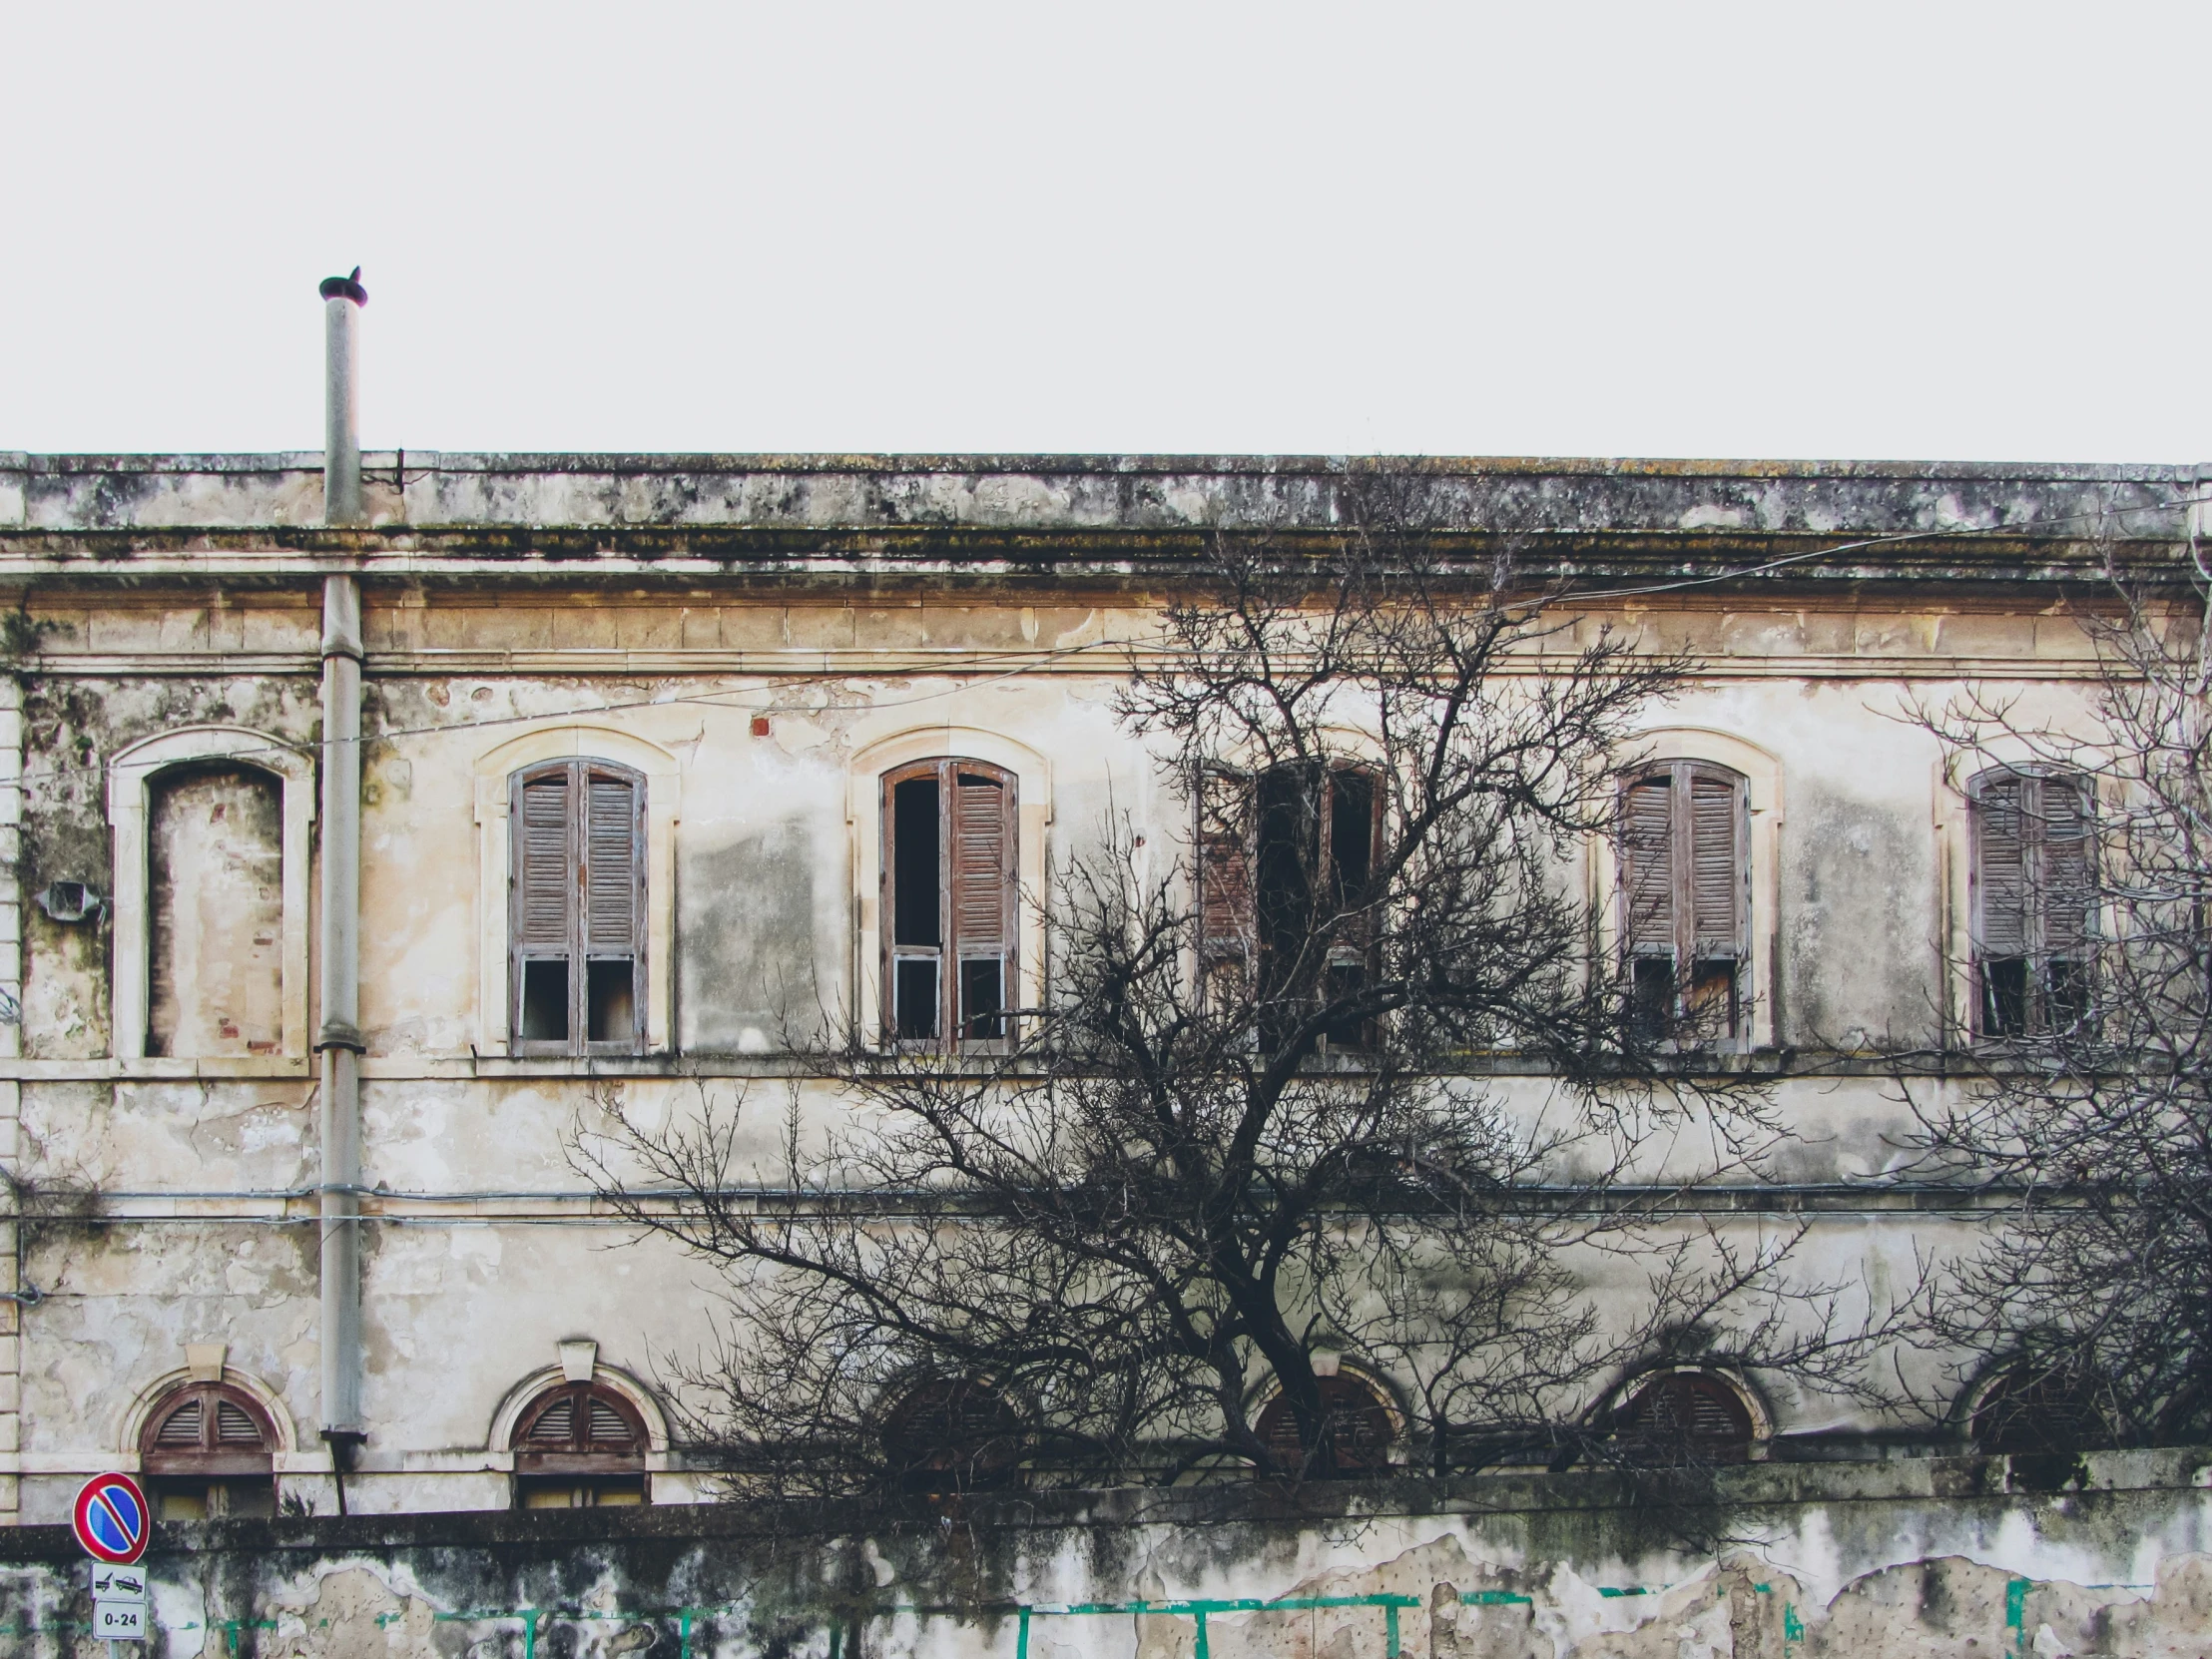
(576, 916)
(1285, 864)
(953, 1435)
(1687, 1416)
(2032, 892)
(950, 874)
(580, 1445)
(2032, 1410)
(1685, 876)
(1361, 1427)
(207, 1452)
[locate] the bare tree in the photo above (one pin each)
(2089, 1310)
(1333, 1117)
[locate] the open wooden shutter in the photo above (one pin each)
(2001, 868)
(544, 900)
(613, 838)
(2066, 876)
(1717, 866)
(982, 866)
(1647, 861)
(1226, 922)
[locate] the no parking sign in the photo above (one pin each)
(113, 1524)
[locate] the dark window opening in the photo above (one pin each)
(915, 846)
(981, 1001)
(1287, 861)
(2037, 1413)
(917, 994)
(544, 1001)
(2004, 996)
(612, 1004)
(1356, 1426)
(949, 903)
(1651, 990)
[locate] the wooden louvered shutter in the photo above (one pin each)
(556, 1424)
(2066, 873)
(982, 863)
(1226, 920)
(1684, 1410)
(1717, 866)
(613, 888)
(545, 880)
(234, 1427)
(2001, 868)
(1647, 861)
(183, 1428)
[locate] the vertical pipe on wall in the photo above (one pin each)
(339, 1041)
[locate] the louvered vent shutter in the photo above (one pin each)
(1647, 861)
(2067, 869)
(1224, 902)
(1700, 1410)
(980, 874)
(2001, 863)
(610, 865)
(556, 1424)
(233, 1427)
(548, 870)
(1716, 866)
(180, 1428)
(608, 1426)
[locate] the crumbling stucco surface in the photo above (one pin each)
(1500, 1570)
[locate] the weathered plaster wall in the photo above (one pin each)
(670, 603)
(1889, 1561)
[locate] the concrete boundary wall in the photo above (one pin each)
(1956, 1557)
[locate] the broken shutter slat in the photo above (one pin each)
(545, 870)
(611, 864)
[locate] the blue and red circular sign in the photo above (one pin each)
(111, 1520)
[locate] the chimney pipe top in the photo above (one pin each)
(348, 287)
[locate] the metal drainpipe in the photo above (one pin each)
(338, 1042)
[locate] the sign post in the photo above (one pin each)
(113, 1523)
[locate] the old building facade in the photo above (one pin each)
(635, 735)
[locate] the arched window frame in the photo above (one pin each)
(2042, 951)
(1762, 777)
(1759, 1424)
(956, 1025)
(1270, 1405)
(579, 1368)
(990, 1461)
(864, 823)
(580, 949)
(131, 775)
(663, 794)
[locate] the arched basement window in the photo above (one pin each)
(1685, 876)
(207, 1453)
(1361, 1427)
(2033, 1410)
(580, 1445)
(951, 863)
(1687, 1416)
(953, 1435)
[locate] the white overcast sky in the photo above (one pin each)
(1875, 230)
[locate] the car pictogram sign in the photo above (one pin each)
(111, 1520)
